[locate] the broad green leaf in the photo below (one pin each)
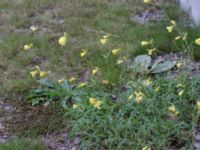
(163, 66)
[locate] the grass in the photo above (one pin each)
(22, 144)
(86, 22)
(160, 117)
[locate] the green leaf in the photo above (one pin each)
(142, 64)
(46, 82)
(160, 67)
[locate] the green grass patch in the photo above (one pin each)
(23, 144)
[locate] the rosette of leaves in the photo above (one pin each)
(143, 65)
(49, 91)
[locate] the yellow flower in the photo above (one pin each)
(83, 53)
(170, 28)
(146, 148)
(138, 96)
(94, 71)
(144, 43)
(34, 28)
(43, 73)
(197, 41)
(27, 47)
(72, 79)
(177, 38)
(147, 82)
(37, 68)
(33, 73)
(75, 106)
(105, 82)
(147, 1)
(103, 41)
(82, 84)
(120, 61)
(181, 93)
(115, 51)
(98, 104)
(63, 40)
(172, 108)
(157, 89)
(93, 101)
(130, 97)
(173, 23)
(151, 51)
(198, 105)
(61, 80)
(180, 85)
(179, 65)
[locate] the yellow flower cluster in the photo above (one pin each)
(96, 103)
(38, 71)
